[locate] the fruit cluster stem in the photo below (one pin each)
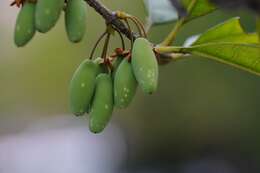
(110, 17)
(172, 36)
(168, 49)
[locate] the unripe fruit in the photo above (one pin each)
(125, 85)
(47, 14)
(101, 70)
(25, 25)
(115, 63)
(102, 105)
(145, 65)
(75, 20)
(82, 86)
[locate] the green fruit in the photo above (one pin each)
(75, 20)
(145, 65)
(25, 26)
(47, 14)
(115, 63)
(82, 86)
(125, 85)
(102, 105)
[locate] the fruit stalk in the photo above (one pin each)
(111, 18)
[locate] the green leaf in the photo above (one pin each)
(228, 31)
(197, 8)
(243, 56)
(160, 11)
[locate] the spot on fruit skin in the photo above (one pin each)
(145, 65)
(125, 85)
(102, 104)
(75, 20)
(47, 14)
(25, 25)
(81, 93)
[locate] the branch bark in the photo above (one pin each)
(110, 18)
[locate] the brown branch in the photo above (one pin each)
(110, 17)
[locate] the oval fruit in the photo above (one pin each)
(75, 20)
(101, 70)
(115, 63)
(82, 86)
(47, 14)
(125, 85)
(102, 105)
(145, 65)
(25, 26)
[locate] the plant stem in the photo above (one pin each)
(177, 56)
(168, 49)
(110, 18)
(172, 36)
(96, 44)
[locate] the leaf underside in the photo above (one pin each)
(160, 12)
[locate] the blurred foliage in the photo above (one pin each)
(200, 106)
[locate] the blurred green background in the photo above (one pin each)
(202, 109)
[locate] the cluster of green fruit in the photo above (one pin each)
(43, 15)
(96, 91)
